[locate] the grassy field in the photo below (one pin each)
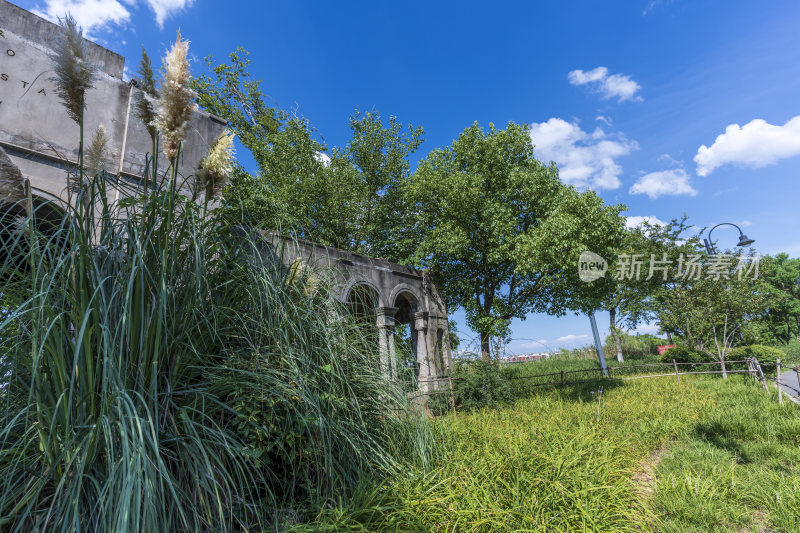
(700, 454)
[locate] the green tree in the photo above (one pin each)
(634, 297)
(503, 233)
(351, 199)
(283, 146)
(714, 310)
(233, 95)
(378, 157)
(782, 319)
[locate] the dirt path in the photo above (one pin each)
(645, 473)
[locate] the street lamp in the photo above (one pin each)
(744, 240)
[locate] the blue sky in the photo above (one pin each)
(669, 107)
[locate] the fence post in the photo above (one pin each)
(562, 378)
(452, 397)
(674, 364)
(778, 381)
(761, 374)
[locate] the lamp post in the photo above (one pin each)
(598, 345)
(744, 240)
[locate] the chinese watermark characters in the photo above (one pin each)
(641, 267)
(687, 267)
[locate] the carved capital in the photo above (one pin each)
(421, 321)
(386, 316)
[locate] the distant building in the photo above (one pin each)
(525, 357)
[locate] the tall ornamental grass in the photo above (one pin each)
(158, 375)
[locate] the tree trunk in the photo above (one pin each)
(612, 313)
(724, 370)
(669, 338)
(485, 353)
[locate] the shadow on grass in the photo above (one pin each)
(479, 384)
(491, 395)
(579, 392)
(719, 435)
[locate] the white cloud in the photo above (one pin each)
(674, 182)
(666, 158)
(636, 221)
(756, 144)
(584, 159)
(571, 338)
(619, 86)
(541, 344)
(604, 120)
(323, 158)
(93, 15)
(166, 8)
(90, 14)
(544, 344)
(647, 329)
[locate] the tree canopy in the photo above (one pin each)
(502, 231)
(782, 319)
(348, 197)
(716, 310)
(636, 297)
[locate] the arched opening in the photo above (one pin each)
(48, 218)
(362, 302)
(405, 339)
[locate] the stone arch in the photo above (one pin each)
(362, 300)
(48, 218)
(407, 302)
(358, 282)
(49, 214)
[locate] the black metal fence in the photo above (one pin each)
(523, 383)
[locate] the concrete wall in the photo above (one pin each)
(391, 283)
(35, 129)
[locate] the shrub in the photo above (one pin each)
(684, 354)
(792, 351)
(633, 346)
(476, 384)
(766, 355)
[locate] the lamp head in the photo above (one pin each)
(744, 240)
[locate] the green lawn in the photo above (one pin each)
(700, 454)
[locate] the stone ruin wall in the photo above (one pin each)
(35, 130)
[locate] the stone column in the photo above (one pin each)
(386, 341)
(423, 353)
(441, 356)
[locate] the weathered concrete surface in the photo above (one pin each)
(11, 180)
(399, 294)
(35, 129)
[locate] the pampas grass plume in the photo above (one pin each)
(74, 72)
(217, 166)
(176, 103)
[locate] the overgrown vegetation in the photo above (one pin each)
(157, 376)
(699, 454)
(737, 469)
